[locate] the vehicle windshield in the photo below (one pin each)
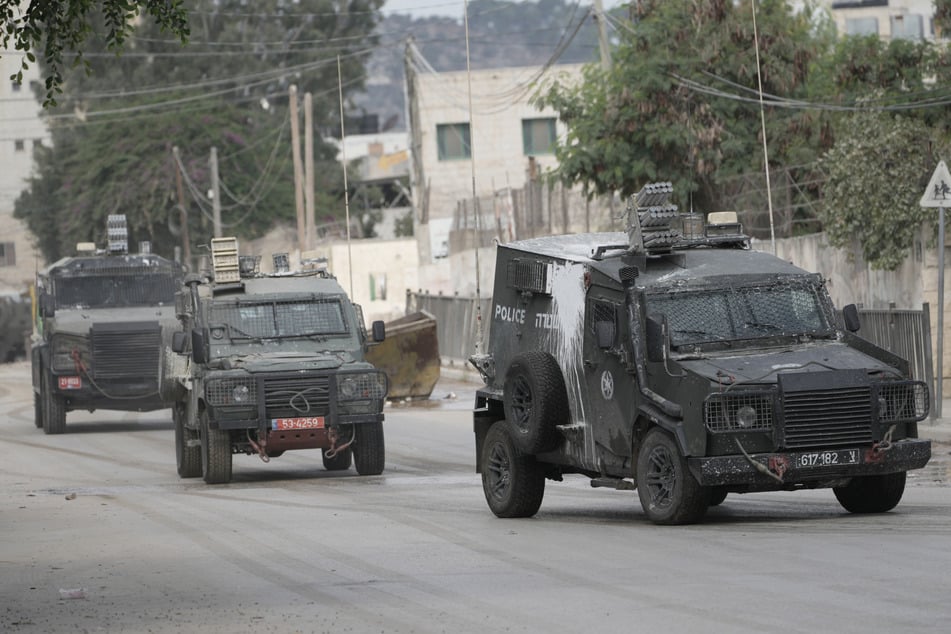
(277, 319)
(789, 308)
(123, 290)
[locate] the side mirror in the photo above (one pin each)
(199, 346)
(657, 338)
(605, 332)
(179, 341)
(850, 314)
(47, 305)
(379, 331)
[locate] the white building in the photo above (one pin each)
(21, 130)
(505, 136)
(910, 19)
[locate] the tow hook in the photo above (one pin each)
(780, 465)
(333, 434)
(260, 448)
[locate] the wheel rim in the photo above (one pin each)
(521, 403)
(499, 471)
(661, 477)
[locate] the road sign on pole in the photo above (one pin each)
(938, 194)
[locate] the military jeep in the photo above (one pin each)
(271, 363)
(675, 360)
(103, 321)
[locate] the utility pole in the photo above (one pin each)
(186, 241)
(298, 171)
(309, 170)
(215, 195)
(602, 36)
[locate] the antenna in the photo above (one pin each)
(762, 121)
(475, 201)
(346, 187)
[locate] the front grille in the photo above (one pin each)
(836, 417)
(126, 350)
(286, 397)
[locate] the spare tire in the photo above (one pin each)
(535, 401)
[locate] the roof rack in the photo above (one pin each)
(656, 227)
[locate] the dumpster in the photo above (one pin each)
(409, 356)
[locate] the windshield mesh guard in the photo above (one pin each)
(794, 306)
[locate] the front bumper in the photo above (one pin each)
(133, 394)
(738, 470)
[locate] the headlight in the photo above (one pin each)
(230, 391)
(903, 401)
(361, 386)
(241, 394)
(746, 417)
(738, 411)
(349, 388)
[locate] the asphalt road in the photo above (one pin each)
(100, 535)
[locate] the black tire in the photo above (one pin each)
(513, 481)
(54, 415)
(717, 496)
(340, 462)
(668, 492)
(187, 445)
(215, 453)
(369, 450)
(535, 401)
(38, 410)
(871, 494)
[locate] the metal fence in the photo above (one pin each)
(906, 333)
(456, 322)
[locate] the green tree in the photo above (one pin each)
(876, 174)
(114, 129)
(679, 103)
(61, 27)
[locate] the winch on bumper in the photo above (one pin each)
(778, 470)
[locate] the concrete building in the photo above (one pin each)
(506, 136)
(21, 131)
(910, 19)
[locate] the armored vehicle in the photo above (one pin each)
(675, 360)
(274, 362)
(103, 321)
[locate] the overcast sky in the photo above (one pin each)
(452, 8)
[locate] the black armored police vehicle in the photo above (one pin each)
(104, 318)
(273, 362)
(675, 360)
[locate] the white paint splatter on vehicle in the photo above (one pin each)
(566, 343)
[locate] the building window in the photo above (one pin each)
(453, 141)
(907, 27)
(18, 145)
(538, 136)
(8, 254)
(15, 86)
(861, 26)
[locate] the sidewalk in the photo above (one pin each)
(938, 429)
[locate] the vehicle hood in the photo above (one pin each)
(288, 361)
(78, 321)
(762, 365)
